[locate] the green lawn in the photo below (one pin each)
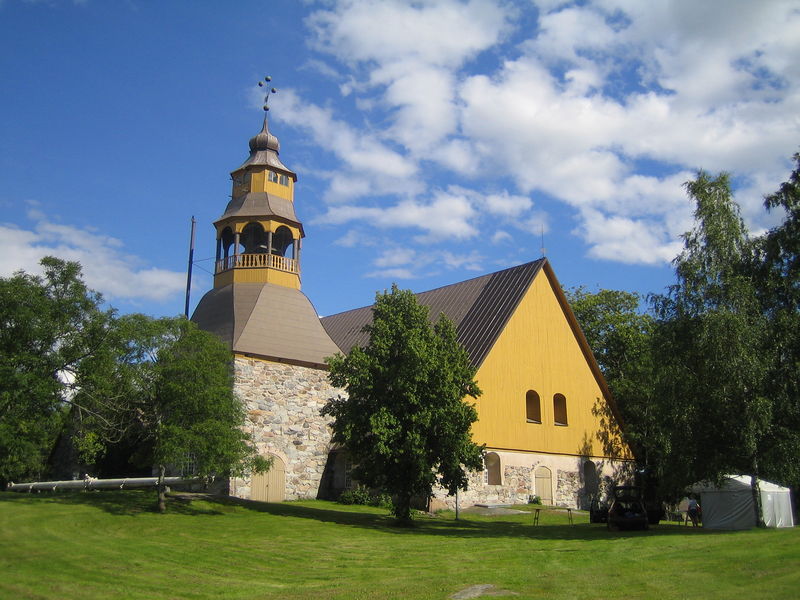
(111, 545)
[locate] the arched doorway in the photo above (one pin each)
(543, 485)
(493, 469)
(591, 484)
(270, 486)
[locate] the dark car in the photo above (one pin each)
(627, 509)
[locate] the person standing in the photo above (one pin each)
(693, 510)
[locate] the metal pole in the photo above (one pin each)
(189, 271)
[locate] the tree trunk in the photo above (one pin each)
(402, 508)
(162, 495)
(756, 490)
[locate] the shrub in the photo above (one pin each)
(356, 495)
(362, 495)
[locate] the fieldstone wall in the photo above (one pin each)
(516, 488)
(567, 489)
(283, 404)
(518, 481)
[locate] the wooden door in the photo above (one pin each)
(544, 485)
(270, 486)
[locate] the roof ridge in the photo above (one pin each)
(441, 287)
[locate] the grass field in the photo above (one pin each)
(111, 545)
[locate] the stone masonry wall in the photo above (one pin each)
(283, 405)
(517, 484)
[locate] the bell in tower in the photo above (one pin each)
(256, 305)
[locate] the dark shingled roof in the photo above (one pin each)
(479, 308)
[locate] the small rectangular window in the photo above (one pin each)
(273, 177)
(283, 180)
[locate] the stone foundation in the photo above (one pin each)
(283, 404)
(518, 481)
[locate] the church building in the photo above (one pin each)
(546, 416)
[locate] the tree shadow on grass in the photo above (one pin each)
(516, 526)
(117, 502)
(134, 502)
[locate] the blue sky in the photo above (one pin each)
(433, 141)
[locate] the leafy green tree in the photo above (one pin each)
(621, 337)
(777, 276)
(173, 389)
(405, 422)
(50, 328)
(711, 346)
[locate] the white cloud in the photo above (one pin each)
(501, 236)
(411, 52)
(394, 257)
(444, 32)
(106, 268)
(627, 240)
(360, 151)
(607, 106)
(398, 262)
(580, 146)
(448, 215)
(507, 205)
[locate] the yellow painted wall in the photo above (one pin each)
(264, 275)
(259, 182)
(538, 351)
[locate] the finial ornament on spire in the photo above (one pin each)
(267, 79)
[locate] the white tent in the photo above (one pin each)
(730, 506)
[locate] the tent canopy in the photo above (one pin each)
(730, 505)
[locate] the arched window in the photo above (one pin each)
(533, 407)
(281, 240)
(493, 475)
(591, 481)
(560, 409)
(226, 242)
(254, 239)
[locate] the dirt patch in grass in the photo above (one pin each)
(481, 589)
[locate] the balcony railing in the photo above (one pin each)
(257, 261)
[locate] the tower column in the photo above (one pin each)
(236, 248)
(269, 242)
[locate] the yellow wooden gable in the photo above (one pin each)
(541, 358)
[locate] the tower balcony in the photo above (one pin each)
(257, 261)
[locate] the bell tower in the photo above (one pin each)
(259, 235)
(256, 305)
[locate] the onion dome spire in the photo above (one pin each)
(264, 140)
(264, 146)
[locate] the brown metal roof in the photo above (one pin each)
(266, 320)
(264, 150)
(479, 308)
(260, 204)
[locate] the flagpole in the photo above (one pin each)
(189, 271)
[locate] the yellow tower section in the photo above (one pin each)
(259, 235)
